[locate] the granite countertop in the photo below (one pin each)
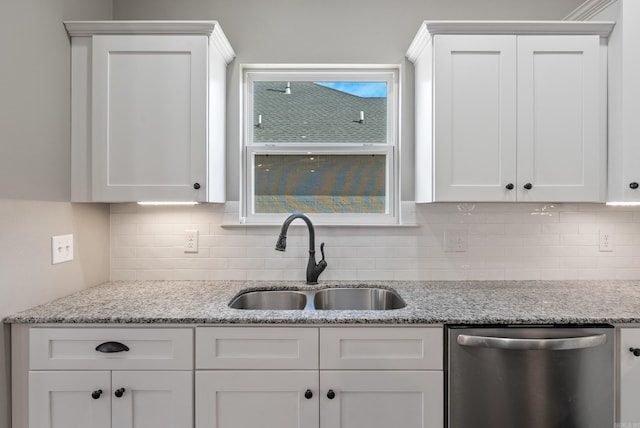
(428, 302)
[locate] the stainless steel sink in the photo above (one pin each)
(357, 299)
(270, 300)
(340, 299)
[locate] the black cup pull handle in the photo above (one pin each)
(111, 347)
(119, 392)
(634, 185)
(509, 186)
(96, 394)
(528, 186)
(308, 394)
(331, 395)
(635, 351)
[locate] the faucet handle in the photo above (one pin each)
(322, 264)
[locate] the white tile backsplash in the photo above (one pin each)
(504, 241)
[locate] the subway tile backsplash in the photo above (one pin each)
(503, 242)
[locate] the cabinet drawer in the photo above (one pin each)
(256, 348)
(75, 349)
(381, 348)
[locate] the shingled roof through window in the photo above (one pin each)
(316, 114)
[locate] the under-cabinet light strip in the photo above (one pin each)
(167, 203)
(623, 204)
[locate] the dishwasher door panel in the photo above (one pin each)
(530, 377)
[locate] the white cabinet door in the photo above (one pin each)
(103, 399)
(561, 150)
(514, 117)
(381, 399)
(148, 399)
(69, 399)
(629, 378)
(265, 399)
(474, 117)
(149, 109)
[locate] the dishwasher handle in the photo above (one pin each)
(556, 344)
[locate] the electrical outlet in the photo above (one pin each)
(61, 249)
(190, 241)
(606, 240)
(455, 241)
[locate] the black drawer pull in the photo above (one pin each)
(111, 347)
(96, 394)
(119, 392)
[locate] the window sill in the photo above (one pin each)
(377, 226)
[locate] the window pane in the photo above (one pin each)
(320, 112)
(320, 184)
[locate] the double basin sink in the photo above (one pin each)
(342, 299)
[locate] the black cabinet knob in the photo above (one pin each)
(633, 185)
(509, 186)
(196, 186)
(528, 186)
(111, 347)
(635, 351)
(119, 392)
(96, 394)
(308, 394)
(331, 395)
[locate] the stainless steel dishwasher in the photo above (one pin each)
(530, 377)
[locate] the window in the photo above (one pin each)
(322, 141)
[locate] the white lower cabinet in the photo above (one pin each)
(245, 377)
(629, 345)
(365, 377)
(123, 377)
(104, 399)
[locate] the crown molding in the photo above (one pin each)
(420, 41)
(210, 29)
(588, 10)
(603, 29)
(90, 28)
(431, 28)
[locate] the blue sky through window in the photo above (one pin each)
(360, 89)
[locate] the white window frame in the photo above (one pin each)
(321, 73)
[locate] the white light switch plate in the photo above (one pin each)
(61, 249)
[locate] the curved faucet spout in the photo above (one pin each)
(313, 270)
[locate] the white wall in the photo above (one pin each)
(34, 166)
(504, 242)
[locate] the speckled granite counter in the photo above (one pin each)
(428, 302)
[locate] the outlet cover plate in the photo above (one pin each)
(606, 240)
(191, 241)
(455, 241)
(61, 249)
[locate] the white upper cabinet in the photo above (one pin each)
(510, 111)
(624, 105)
(148, 111)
